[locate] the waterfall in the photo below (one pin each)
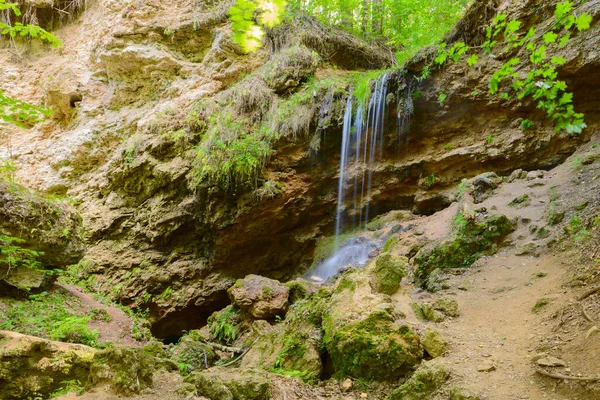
(362, 145)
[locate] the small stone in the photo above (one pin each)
(316, 279)
(347, 385)
(434, 343)
(592, 331)
(486, 366)
(551, 362)
(364, 395)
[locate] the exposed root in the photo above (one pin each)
(556, 375)
(585, 314)
(228, 349)
(590, 292)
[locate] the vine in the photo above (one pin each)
(540, 82)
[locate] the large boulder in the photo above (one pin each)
(362, 335)
(32, 367)
(262, 297)
(230, 384)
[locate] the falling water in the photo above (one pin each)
(362, 141)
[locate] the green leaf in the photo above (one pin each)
(564, 39)
(473, 60)
(566, 99)
(558, 60)
(583, 22)
(550, 37)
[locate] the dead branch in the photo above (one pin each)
(556, 375)
(228, 349)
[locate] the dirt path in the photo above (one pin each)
(116, 328)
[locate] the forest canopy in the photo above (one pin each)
(407, 25)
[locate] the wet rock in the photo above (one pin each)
(470, 240)
(126, 370)
(433, 342)
(448, 306)
(361, 335)
(32, 367)
(428, 378)
(262, 297)
(220, 383)
(388, 272)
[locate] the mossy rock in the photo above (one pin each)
(298, 290)
(389, 271)
(127, 370)
(32, 367)
(289, 68)
(426, 380)
(228, 324)
(470, 240)
(447, 306)
(433, 342)
(220, 383)
(373, 348)
(461, 393)
(554, 216)
(426, 312)
(191, 355)
(261, 297)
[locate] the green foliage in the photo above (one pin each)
(249, 17)
(577, 164)
(12, 110)
(536, 77)
(52, 315)
(463, 187)
(224, 325)
(68, 387)
(442, 99)
(12, 255)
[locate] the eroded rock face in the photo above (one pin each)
(148, 63)
(126, 370)
(31, 367)
(262, 297)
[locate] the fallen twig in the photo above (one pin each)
(225, 348)
(556, 375)
(240, 356)
(589, 293)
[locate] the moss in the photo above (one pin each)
(434, 343)
(128, 370)
(447, 306)
(426, 380)
(389, 271)
(554, 215)
(460, 393)
(346, 282)
(520, 202)
(190, 355)
(267, 291)
(231, 384)
(469, 242)
(372, 348)
(298, 291)
(426, 312)
(391, 243)
(540, 305)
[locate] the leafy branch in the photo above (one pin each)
(540, 82)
